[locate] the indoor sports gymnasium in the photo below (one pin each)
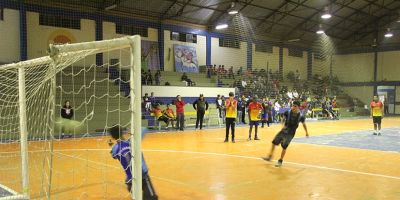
(200, 99)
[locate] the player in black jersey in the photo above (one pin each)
(290, 121)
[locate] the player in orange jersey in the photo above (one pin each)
(377, 114)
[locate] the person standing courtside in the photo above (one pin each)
(242, 107)
(180, 112)
(230, 114)
(218, 104)
(200, 105)
(377, 114)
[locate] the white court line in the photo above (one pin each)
(229, 155)
(15, 195)
(8, 189)
(293, 163)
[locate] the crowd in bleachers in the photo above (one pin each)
(275, 95)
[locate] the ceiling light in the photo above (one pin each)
(388, 33)
(221, 26)
(320, 30)
(326, 14)
(111, 7)
(233, 10)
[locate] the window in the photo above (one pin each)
(131, 30)
(295, 52)
(59, 21)
(184, 37)
(264, 48)
(228, 42)
(1, 14)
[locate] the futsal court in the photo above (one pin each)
(82, 80)
(199, 165)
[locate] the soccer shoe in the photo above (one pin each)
(233, 140)
(248, 139)
(374, 133)
(256, 138)
(226, 140)
(379, 133)
(279, 163)
(267, 158)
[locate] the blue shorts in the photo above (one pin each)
(255, 123)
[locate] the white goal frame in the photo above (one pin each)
(132, 42)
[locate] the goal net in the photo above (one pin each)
(45, 155)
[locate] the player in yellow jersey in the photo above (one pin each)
(230, 114)
(377, 114)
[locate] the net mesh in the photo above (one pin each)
(64, 161)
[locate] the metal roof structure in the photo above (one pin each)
(353, 22)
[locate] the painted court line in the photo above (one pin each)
(226, 155)
(14, 196)
(293, 163)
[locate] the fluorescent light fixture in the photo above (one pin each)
(388, 34)
(326, 14)
(294, 40)
(320, 30)
(233, 10)
(111, 7)
(221, 26)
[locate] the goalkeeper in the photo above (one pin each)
(122, 151)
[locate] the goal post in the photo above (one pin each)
(28, 110)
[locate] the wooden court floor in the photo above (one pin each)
(198, 165)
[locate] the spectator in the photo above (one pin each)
(185, 78)
(180, 112)
(147, 102)
(152, 99)
(297, 75)
(158, 114)
(149, 78)
(209, 72)
(240, 71)
(200, 105)
(242, 109)
(230, 73)
(169, 113)
(67, 112)
(143, 77)
(157, 76)
(219, 105)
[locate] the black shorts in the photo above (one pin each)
(163, 118)
(284, 137)
(377, 119)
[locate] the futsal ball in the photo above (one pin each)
(70, 126)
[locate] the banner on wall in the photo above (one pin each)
(185, 59)
(150, 58)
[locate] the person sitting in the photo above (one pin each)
(230, 73)
(185, 78)
(169, 114)
(159, 115)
